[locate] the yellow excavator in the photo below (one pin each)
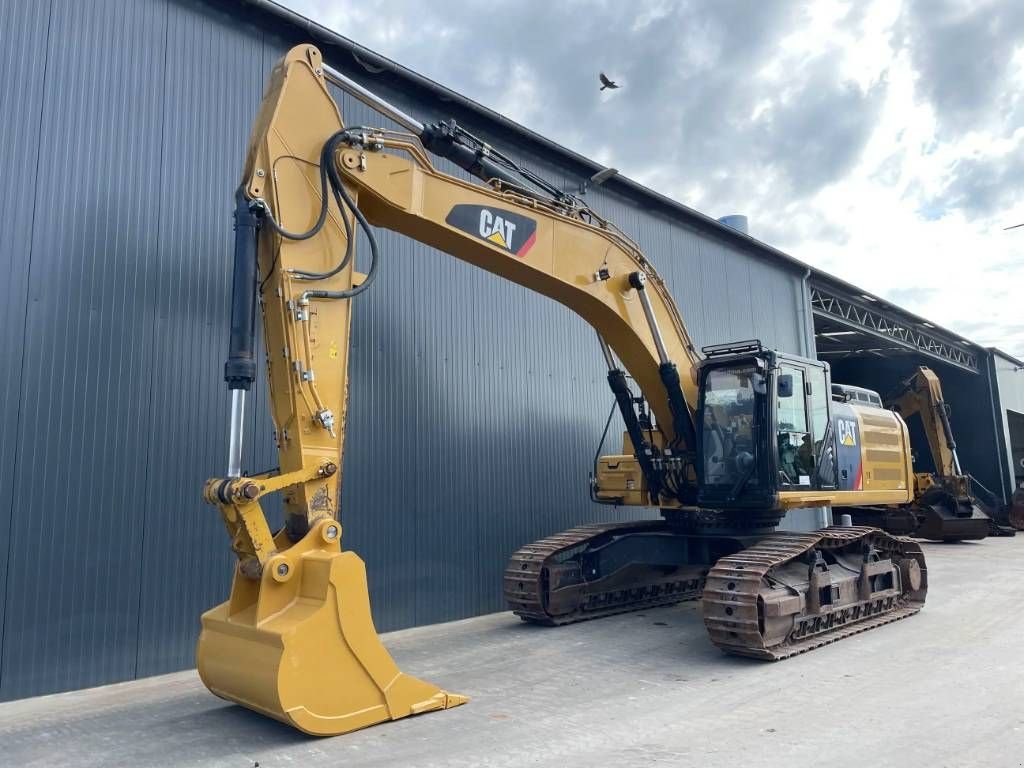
(722, 442)
(944, 507)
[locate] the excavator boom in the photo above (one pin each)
(921, 394)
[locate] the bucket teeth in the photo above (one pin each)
(440, 700)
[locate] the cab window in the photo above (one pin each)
(730, 410)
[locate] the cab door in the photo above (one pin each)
(819, 405)
(804, 451)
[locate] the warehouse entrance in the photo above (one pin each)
(1016, 422)
(874, 344)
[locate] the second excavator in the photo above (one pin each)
(722, 442)
(945, 506)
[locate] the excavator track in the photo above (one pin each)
(544, 584)
(748, 598)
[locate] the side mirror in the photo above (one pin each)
(785, 385)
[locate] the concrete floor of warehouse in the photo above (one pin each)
(943, 688)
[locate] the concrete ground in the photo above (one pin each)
(943, 688)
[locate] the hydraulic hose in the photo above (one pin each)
(329, 177)
(325, 154)
(374, 256)
(327, 161)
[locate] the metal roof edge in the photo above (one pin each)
(883, 303)
(1005, 355)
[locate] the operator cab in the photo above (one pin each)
(763, 426)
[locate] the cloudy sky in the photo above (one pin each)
(880, 141)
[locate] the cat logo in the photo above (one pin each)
(508, 230)
(494, 228)
(847, 432)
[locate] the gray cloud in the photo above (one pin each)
(819, 135)
(962, 53)
(983, 186)
(683, 117)
(695, 121)
(683, 120)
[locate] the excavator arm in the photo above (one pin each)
(586, 265)
(922, 394)
(592, 269)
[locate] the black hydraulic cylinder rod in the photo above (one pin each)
(682, 423)
(439, 139)
(240, 368)
(948, 429)
(641, 448)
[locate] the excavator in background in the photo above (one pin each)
(944, 507)
(722, 443)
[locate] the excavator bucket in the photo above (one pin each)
(299, 644)
(946, 517)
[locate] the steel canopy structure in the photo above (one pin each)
(851, 323)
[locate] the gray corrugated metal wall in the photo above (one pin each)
(1010, 383)
(475, 405)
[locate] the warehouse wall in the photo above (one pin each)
(1010, 381)
(475, 405)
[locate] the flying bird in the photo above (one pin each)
(606, 83)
